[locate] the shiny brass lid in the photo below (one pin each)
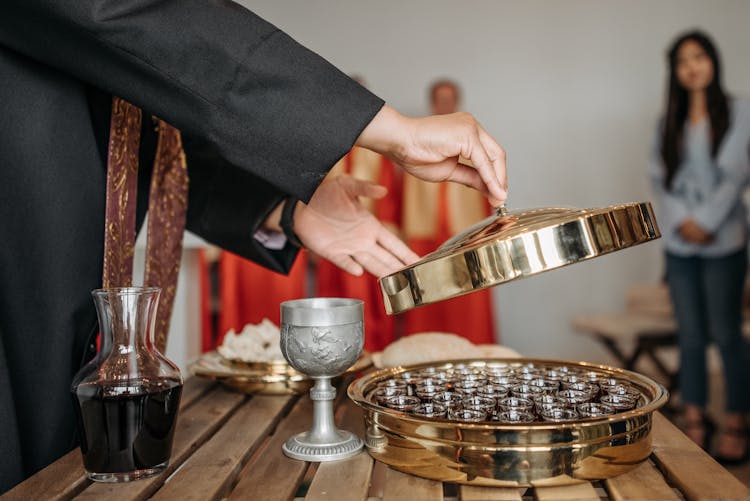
(513, 245)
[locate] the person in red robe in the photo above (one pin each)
(333, 281)
(432, 213)
(247, 293)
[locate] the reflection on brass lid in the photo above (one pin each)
(516, 244)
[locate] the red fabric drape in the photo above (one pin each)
(379, 327)
(470, 316)
(248, 292)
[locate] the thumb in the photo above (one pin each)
(360, 188)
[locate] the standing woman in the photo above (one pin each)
(700, 169)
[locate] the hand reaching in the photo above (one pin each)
(336, 226)
(429, 148)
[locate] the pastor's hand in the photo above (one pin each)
(337, 227)
(429, 148)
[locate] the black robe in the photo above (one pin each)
(261, 117)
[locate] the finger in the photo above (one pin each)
(497, 156)
(397, 247)
(391, 262)
(362, 188)
(375, 191)
(470, 177)
(372, 263)
(483, 165)
(347, 264)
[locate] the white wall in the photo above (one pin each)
(572, 89)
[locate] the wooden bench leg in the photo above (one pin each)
(613, 348)
(633, 360)
(651, 344)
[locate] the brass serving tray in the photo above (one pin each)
(513, 245)
(510, 455)
(266, 378)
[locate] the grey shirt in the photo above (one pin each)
(708, 190)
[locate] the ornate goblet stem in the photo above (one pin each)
(322, 337)
(324, 442)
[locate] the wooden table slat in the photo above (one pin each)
(475, 493)
(270, 475)
(193, 389)
(209, 472)
(576, 492)
(644, 483)
(348, 479)
(194, 427)
(377, 480)
(690, 468)
(62, 479)
(404, 487)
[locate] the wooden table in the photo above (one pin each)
(228, 445)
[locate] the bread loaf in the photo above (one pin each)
(436, 346)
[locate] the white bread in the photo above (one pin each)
(256, 343)
(498, 351)
(435, 346)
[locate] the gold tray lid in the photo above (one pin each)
(516, 244)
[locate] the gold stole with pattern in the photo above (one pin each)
(167, 208)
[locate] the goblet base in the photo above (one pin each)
(342, 445)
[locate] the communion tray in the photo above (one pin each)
(583, 421)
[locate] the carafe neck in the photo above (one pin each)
(127, 319)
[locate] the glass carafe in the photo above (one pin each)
(126, 399)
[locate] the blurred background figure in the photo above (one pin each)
(332, 281)
(248, 293)
(432, 213)
(699, 168)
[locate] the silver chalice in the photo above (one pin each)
(322, 337)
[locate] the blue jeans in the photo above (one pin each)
(707, 296)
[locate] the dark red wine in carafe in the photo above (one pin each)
(126, 398)
(126, 428)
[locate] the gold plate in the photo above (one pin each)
(267, 378)
(513, 245)
(510, 455)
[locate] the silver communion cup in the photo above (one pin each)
(322, 337)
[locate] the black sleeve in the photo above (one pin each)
(227, 205)
(212, 69)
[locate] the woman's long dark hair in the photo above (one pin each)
(677, 106)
